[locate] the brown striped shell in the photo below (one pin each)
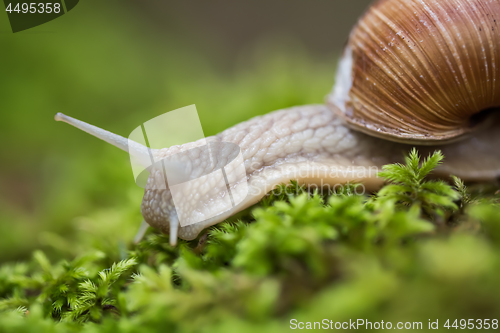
(420, 70)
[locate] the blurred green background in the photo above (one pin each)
(116, 64)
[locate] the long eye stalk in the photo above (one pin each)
(133, 148)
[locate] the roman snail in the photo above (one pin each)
(419, 73)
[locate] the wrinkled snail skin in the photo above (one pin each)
(414, 73)
(312, 145)
(419, 70)
(309, 144)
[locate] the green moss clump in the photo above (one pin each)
(417, 250)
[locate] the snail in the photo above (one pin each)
(414, 73)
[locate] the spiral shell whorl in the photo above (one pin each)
(420, 69)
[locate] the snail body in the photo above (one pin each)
(364, 125)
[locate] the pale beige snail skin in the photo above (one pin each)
(396, 72)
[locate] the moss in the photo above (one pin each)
(416, 250)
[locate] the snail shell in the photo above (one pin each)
(420, 70)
